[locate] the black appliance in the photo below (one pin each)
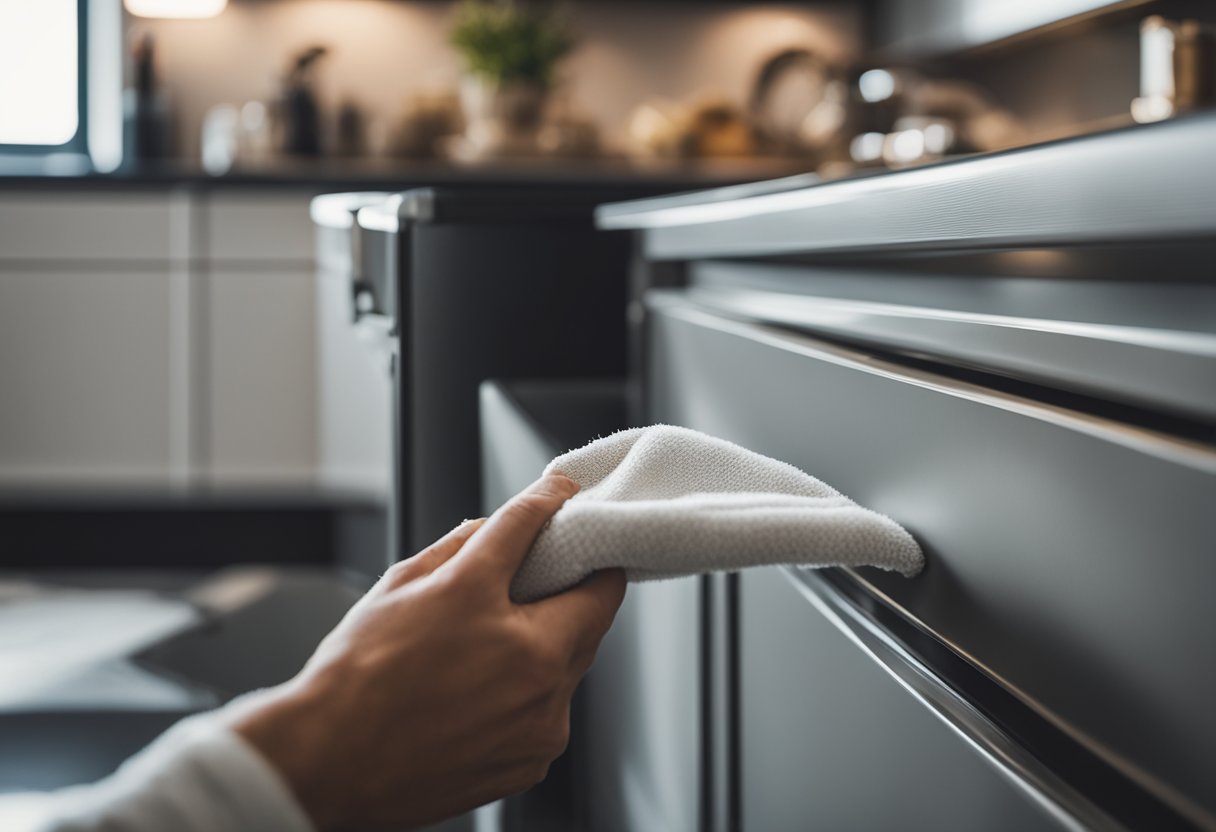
(473, 284)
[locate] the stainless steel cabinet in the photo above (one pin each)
(636, 749)
(830, 741)
(1068, 552)
(1015, 357)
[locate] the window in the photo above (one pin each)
(40, 74)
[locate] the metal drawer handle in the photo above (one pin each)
(1191, 454)
(1012, 761)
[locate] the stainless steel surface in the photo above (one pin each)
(638, 717)
(1024, 771)
(1184, 452)
(1069, 554)
(1149, 345)
(841, 733)
(487, 284)
(928, 27)
(1148, 182)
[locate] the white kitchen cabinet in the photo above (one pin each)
(260, 377)
(157, 336)
(85, 377)
(122, 227)
(256, 226)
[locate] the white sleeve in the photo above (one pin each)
(197, 777)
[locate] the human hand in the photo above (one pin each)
(436, 694)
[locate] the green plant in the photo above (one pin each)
(503, 41)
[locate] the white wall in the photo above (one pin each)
(382, 50)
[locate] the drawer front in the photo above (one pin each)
(831, 741)
(67, 226)
(1070, 558)
(86, 373)
(1147, 344)
(244, 227)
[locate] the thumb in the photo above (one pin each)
(500, 546)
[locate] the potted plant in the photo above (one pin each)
(511, 51)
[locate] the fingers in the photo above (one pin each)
(584, 614)
(433, 556)
(502, 543)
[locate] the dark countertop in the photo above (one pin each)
(657, 175)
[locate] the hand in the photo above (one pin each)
(436, 694)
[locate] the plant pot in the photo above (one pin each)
(502, 117)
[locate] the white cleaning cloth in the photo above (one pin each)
(665, 501)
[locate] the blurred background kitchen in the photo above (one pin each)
(185, 401)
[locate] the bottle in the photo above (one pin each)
(300, 109)
(145, 109)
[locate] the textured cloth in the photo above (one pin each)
(664, 501)
(196, 777)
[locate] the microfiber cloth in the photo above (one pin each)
(665, 501)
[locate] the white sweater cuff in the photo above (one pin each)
(199, 776)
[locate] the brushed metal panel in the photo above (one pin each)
(1148, 345)
(830, 741)
(639, 710)
(1071, 558)
(1154, 181)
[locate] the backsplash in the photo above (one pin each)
(382, 52)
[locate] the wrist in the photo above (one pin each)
(286, 726)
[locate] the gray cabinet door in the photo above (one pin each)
(830, 741)
(1069, 555)
(639, 709)
(643, 713)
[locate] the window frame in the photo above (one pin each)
(78, 144)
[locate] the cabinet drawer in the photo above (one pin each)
(261, 378)
(64, 226)
(830, 741)
(251, 227)
(86, 374)
(1068, 556)
(638, 713)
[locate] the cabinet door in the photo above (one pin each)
(85, 364)
(90, 226)
(642, 717)
(831, 741)
(260, 378)
(246, 226)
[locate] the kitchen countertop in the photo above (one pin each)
(661, 175)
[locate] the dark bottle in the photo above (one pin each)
(145, 111)
(301, 111)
